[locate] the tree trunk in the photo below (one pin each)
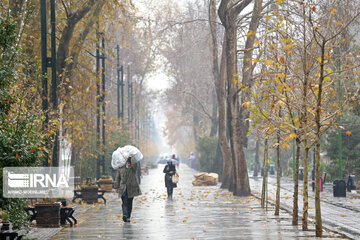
(305, 186)
(318, 219)
(295, 216)
(264, 182)
(304, 127)
(240, 174)
(219, 76)
(277, 205)
(67, 34)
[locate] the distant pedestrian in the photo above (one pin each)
(127, 185)
(176, 159)
(193, 162)
(169, 171)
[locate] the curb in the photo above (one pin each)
(345, 233)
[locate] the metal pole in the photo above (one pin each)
(103, 106)
(339, 124)
(97, 111)
(118, 81)
(129, 102)
(55, 157)
(44, 65)
(122, 92)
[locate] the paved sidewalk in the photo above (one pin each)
(339, 214)
(195, 213)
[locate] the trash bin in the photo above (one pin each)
(339, 188)
(272, 169)
(351, 183)
(301, 173)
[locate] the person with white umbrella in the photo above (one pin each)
(169, 171)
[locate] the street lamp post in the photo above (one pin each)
(120, 86)
(44, 65)
(103, 106)
(337, 54)
(49, 62)
(97, 111)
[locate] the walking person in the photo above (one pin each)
(169, 171)
(127, 186)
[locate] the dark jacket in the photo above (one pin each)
(168, 181)
(126, 179)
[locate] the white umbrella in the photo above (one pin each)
(120, 156)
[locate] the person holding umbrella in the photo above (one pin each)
(169, 171)
(127, 186)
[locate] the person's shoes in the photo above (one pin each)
(125, 219)
(128, 220)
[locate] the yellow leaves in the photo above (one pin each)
(329, 70)
(285, 145)
(289, 46)
(281, 75)
(333, 11)
(348, 133)
(268, 62)
(255, 60)
(334, 93)
(338, 23)
(257, 42)
(250, 33)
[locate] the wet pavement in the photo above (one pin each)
(338, 213)
(194, 213)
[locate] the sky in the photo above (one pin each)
(158, 81)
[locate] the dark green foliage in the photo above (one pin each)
(206, 148)
(8, 53)
(20, 141)
(351, 149)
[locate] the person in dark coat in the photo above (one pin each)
(169, 171)
(127, 186)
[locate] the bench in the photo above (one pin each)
(79, 194)
(4, 235)
(66, 214)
